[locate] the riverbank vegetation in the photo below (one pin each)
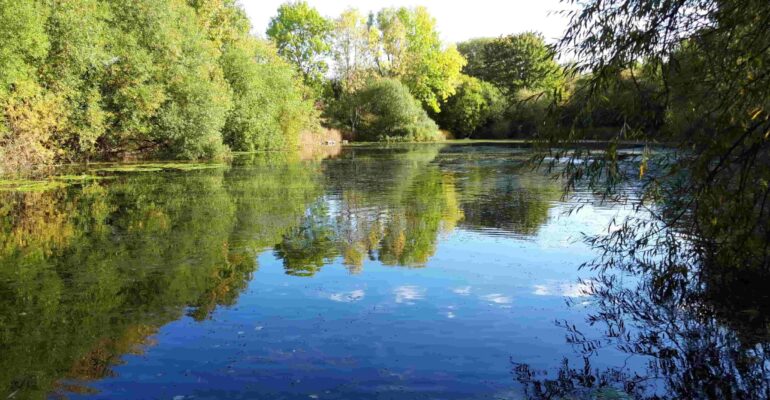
(99, 79)
(176, 79)
(512, 86)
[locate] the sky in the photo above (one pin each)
(456, 20)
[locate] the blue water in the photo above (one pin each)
(482, 290)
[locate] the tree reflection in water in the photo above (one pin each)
(91, 272)
(666, 294)
(696, 343)
(392, 206)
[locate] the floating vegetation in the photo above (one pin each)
(129, 168)
(95, 174)
(24, 185)
(80, 178)
(157, 167)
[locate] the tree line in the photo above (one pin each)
(388, 76)
(104, 79)
(101, 79)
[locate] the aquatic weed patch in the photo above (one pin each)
(158, 167)
(26, 185)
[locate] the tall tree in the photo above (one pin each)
(351, 49)
(473, 51)
(269, 108)
(301, 35)
(409, 48)
(513, 62)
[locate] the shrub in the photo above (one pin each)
(389, 112)
(476, 106)
(269, 109)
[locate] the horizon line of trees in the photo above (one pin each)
(101, 79)
(363, 70)
(185, 79)
(362, 66)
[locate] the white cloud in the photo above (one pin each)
(462, 291)
(348, 297)
(408, 294)
(497, 298)
(582, 289)
(542, 290)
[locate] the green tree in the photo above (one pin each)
(111, 79)
(25, 123)
(409, 48)
(514, 62)
(629, 100)
(351, 50)
(473, 51)
(387, 111)
(269, 109)
(712, 62)
(301, 35)
(269, 106)
(74, 71)
(25, 43)
(197, 97)
(475, 106)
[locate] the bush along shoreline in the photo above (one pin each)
(96, 80)
(164, 79)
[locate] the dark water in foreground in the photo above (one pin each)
(424, 272)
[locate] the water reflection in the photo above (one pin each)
(389, 208)
(89, 273)
(92, 272)
(686, 343)
(685, 329)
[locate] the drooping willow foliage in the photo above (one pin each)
(706, 168)
(698, 248)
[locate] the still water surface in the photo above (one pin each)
(410, 272)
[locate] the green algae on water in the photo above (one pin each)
(157, 167)
(25, 185)
(80, 178)
(60, 181)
